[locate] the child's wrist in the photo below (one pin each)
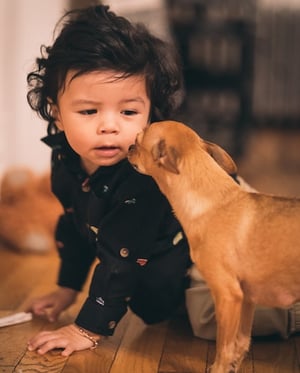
(94, 338)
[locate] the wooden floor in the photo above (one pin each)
(135, 348)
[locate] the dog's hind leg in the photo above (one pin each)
(228, 304)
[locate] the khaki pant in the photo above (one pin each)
(267, 321)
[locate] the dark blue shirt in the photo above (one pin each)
(120, 217)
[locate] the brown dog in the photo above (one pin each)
(246, 245)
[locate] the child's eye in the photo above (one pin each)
(129, 112)
(88, 112)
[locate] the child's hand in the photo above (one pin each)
(69, 338)
(51, 305)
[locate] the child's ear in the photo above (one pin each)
(56, 115)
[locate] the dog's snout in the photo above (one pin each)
(131, 148)
(131, 155)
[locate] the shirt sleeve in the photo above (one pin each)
(75, 254)
(128, 236)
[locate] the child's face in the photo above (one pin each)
(102, 115)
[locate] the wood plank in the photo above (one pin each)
(274, 355)
(11, 262)
(16, 286)
(13, 344)
(52, 362)
(183, 352)
(7, 369)
(13, 339)
(141, 348)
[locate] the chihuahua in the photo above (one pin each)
(245, 244)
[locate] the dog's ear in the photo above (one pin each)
(165, 156)
(221, 157)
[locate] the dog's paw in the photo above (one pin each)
(214, 369)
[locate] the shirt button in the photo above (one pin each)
(112, 325)
(124, 252)
(178, 237)
(85, 186)
(59, 244)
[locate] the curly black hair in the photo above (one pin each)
(96, 39)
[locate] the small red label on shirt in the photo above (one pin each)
(142, 261)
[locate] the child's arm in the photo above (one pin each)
(75, 252)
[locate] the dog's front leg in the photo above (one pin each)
(228, 306)
(244, 332)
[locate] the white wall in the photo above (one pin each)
(24, 26)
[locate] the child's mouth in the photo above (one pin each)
(107, 151)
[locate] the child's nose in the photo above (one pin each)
(107, 126)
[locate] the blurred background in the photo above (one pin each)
(241, 63)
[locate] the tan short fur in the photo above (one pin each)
(245, 244)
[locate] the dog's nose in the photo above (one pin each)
(131, 148)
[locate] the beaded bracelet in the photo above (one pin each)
(89, 337)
